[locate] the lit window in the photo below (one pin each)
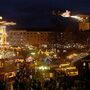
(84, 64)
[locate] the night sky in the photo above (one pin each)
(38, 13)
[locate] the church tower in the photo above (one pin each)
(3, 34)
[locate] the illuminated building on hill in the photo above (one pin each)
(83, 20)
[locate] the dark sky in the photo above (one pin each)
(35, 13)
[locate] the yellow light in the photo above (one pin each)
(71, 68)
(20, 60)
(43, 68)
(35, 63)
(47, 53)
(33, 53)
(1, 17)
(51, 74)
(51, 52)
(55, 56)
(42, 52)
(72, 73)
(9, 23)
(63, 65)
(72, 56)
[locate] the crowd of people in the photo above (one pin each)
(25, 81)
(63, 83)
(50, 84)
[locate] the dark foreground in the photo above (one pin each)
(65, 83)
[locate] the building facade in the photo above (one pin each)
(24, 37)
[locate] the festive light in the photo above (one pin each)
(44, 68)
